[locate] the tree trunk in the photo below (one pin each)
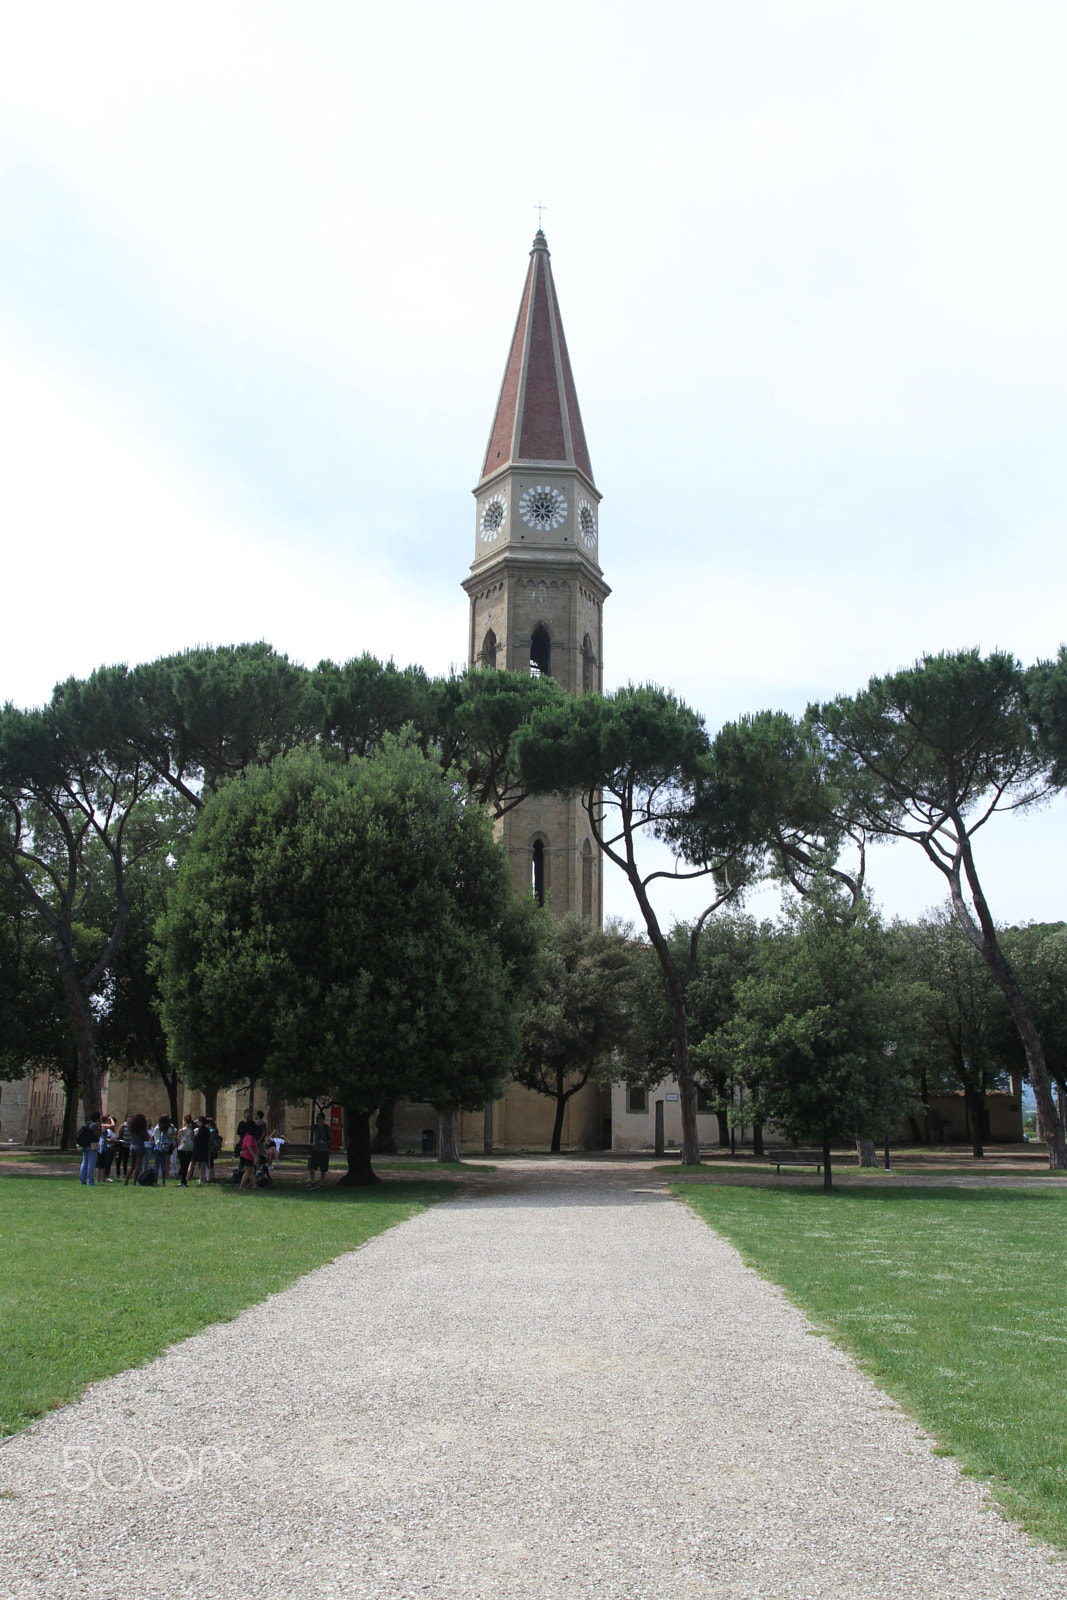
(275, 1111)
(82, 1021)
(211, 1102)
(984, 938)
(975, 1104)
(723, 1119)
(70, 1109)
(487, 1128)
(448, 1136)
(170, 1080)
(865, 1152)
(384, 1143)
(687, 1092)
(561, 1109)
(360, 1172)
(757, 1138)
(827, 1170)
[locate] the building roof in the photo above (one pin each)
(537, 417)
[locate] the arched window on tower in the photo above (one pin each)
(540, 653)
(488, 656)
(538, 882)
(588, 666)
(587, 881)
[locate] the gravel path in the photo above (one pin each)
(562, 1384)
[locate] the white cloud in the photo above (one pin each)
(259, 264)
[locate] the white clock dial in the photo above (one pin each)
(587, 523)
(542, 508)
(494, 516)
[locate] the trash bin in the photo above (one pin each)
(429, 1141)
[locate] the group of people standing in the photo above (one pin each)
(256, 1153)
(144, 1155)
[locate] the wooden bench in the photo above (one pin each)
(794, 1158)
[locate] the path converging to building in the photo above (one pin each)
(559, 1384)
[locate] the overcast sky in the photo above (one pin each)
(260, 263)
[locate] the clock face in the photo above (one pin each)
(542, 508)
(494, 515)
(587, 523)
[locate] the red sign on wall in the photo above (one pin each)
(335, 1126)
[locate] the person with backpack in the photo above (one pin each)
(138, 1131)
(186, 1140)
(87, 1139)
(162, 1145)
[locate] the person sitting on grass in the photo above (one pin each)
(248, 1155)
(138, 1131)
(319, 1159)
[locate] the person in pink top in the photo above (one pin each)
(248, 1152)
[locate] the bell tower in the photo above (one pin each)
(536, 589)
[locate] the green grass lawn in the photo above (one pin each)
(93, 1281)
(954, 1301)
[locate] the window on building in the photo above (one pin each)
(587, 881)
(703, 1100)
(588, 666)
(540, 652)
(637, 1099)
(539, 871)
(488, 656)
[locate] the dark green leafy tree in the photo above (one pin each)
(785, 793)
(640, 759)
(130, 1033)
(346, 929)
(576, 1014)
(199, 717)
(821, 1037)
(959, 1016)
(35, 1026)
(474, 719)
(1038, 955)
(68, 797)
(934, 752)
(726, 953)
(1047, 692)
(364, 700)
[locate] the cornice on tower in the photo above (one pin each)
(537, 419)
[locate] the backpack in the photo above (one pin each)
(83, 1138)
(147, 1177)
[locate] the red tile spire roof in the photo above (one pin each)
(537, 417)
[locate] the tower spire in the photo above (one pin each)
(537, 419)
